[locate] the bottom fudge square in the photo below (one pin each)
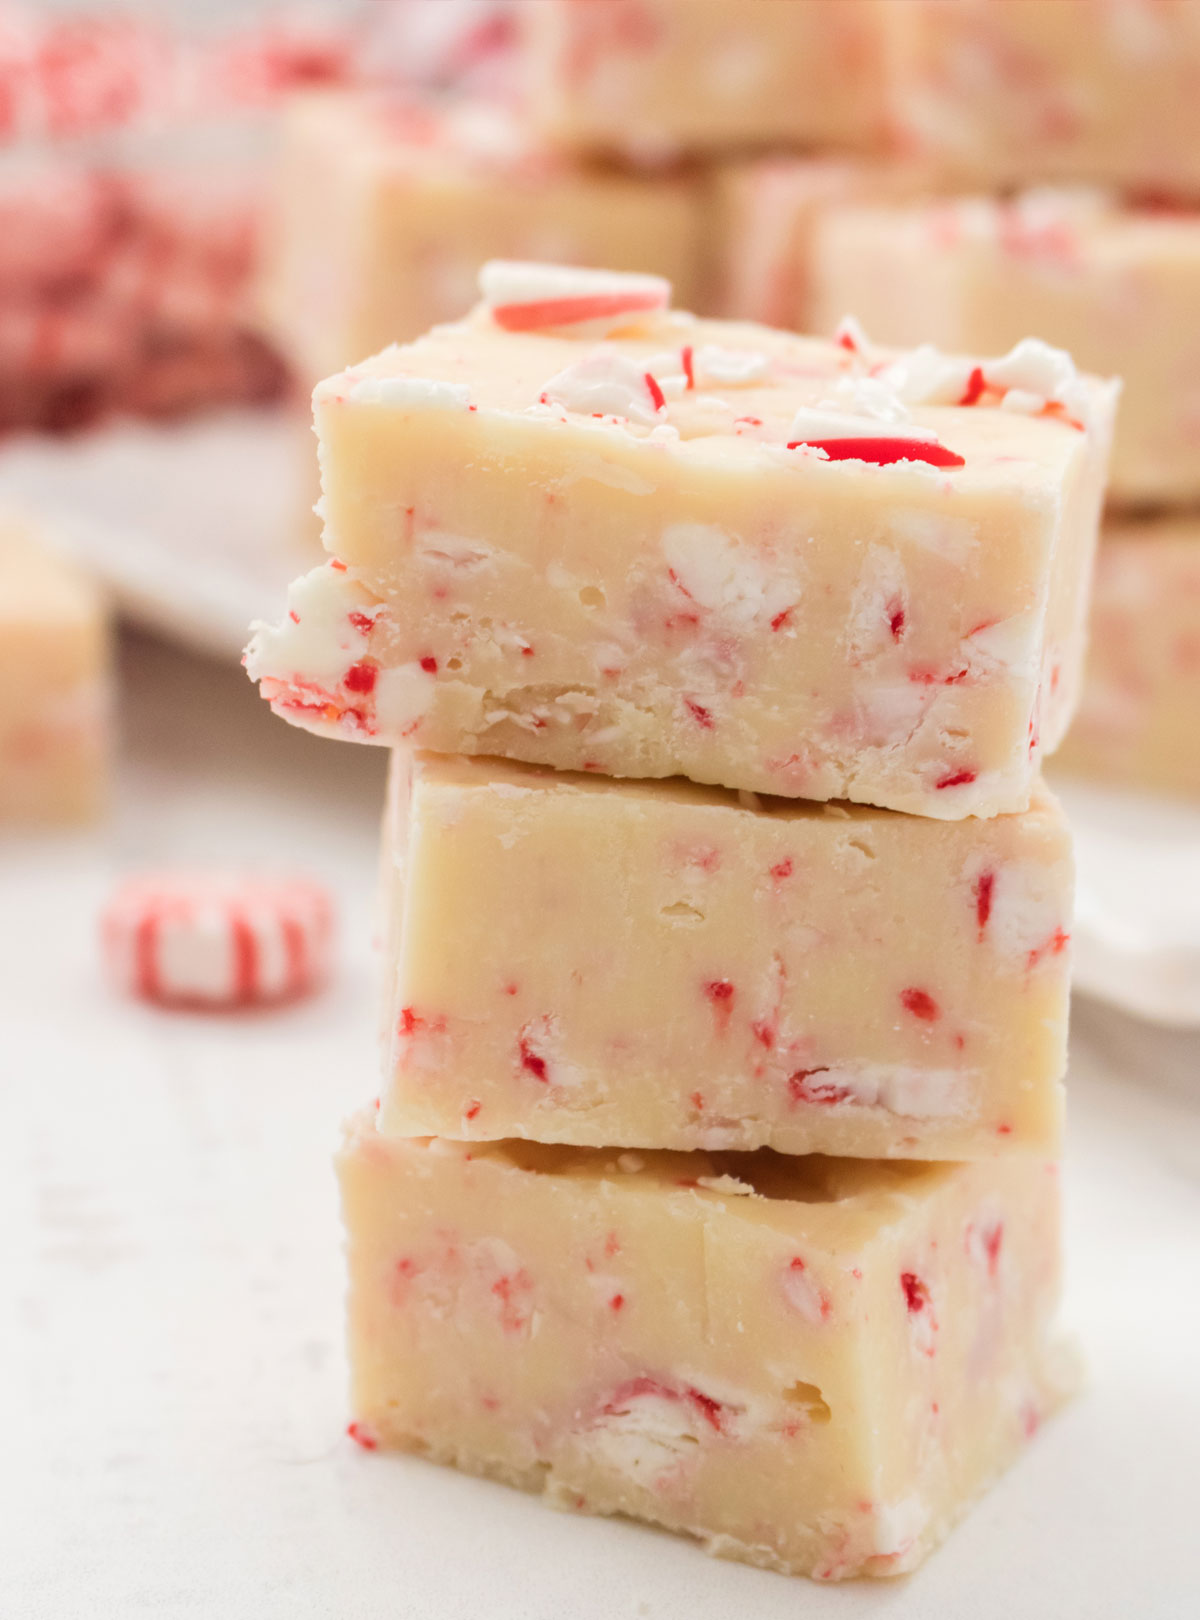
(810, 1364)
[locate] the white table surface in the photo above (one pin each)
(171, 1365)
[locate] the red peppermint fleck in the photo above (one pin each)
(612, 1245)
(472, 1109)
(429, 665)
(803, 1088)
(361, 677)
(701, 715)
(688, 365)
(362, 1436)
(616, 1302)
(656, 394)
(921, 1004)
(916, 1294)
(361, 621)
(337, 564)
(293, 616)
(896, 617)
(515, 1293)
(532, 1061)
(712, 1410)
(883, 451)
(409, 1021)
(782, 869)
(975, 387)
(956, 779)
(780, 619)
(764, 1033)
(1003, 1130)
(697, 1101)
(984, 886)
(1054, 946)
(511, 988)
(992, 1239)
(573, 311)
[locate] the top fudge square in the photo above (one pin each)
(582, 530)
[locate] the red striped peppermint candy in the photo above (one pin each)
(217, 939)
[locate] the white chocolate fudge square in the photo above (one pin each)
(1139, 719)
(653, 78)
(656, 965)
(1001, 92)
(1119, 287)
(701, 549)
(385, 210)
(55, 684)
(813, 1365)
(767, 210)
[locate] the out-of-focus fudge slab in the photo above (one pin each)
(385, 209)
(810, 1364)
(657, 965)
(654, 78)
(55, 684)
(767, 209)
(1139, 718)
(1001, 92)
(1118, 287)
(701, 549)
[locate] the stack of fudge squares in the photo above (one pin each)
(714, 1177)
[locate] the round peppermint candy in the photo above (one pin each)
(217, 939)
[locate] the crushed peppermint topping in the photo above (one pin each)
(606, 383)
(1033, 378)
(547, 297)
(829, 421)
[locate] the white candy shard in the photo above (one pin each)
(217, 939)
(715, 363)
(606, 383)
(544, 297)
(410, 393)
(811, 424)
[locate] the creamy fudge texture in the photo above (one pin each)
(700, 548)
(845, 1355)
(1119, 287)
(385, 209)
(650, 79)
(658, 965)
(1139, 719)
(1000, 92)
(55, 684)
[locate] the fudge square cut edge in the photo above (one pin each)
(848, 1353)
(56, 683)
(658, 965)
(702, 549)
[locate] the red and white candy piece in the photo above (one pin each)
(557, 297)
(217, 939)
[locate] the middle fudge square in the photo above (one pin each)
(699, 548)
(657, 965)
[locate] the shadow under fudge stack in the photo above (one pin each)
(790, 1033)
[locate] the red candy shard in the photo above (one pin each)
(689, 370)
(655, 392)
(802, 1088)
(956, 778)
(916, 1294)
(921, 1004)
(362, 1436)
(532, 1062)
(975, 387)
(429, 665)
(361, 678)
(553, 312)
(984, 885)
(701, 715)
(883, 451)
